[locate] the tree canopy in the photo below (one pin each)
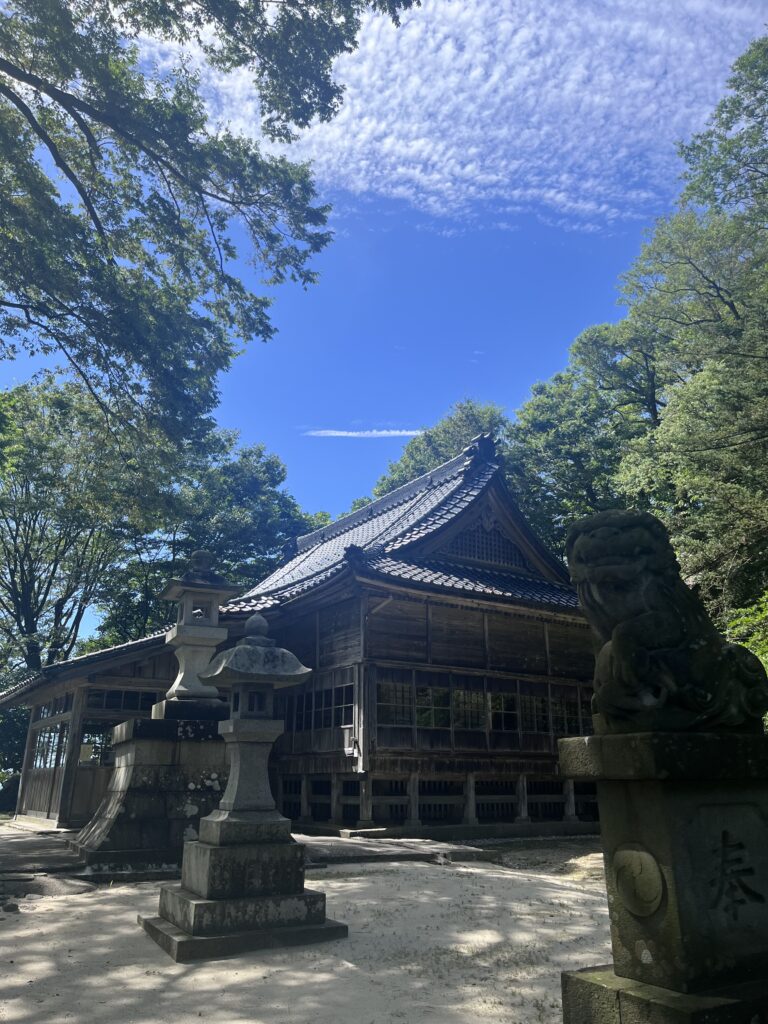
(88, 522)
(441, 442)
(118, 195)
(232, 505)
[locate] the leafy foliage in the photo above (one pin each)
(437, 444)
(118, 196)
(66, 501)
(13, 736)
(233, 506)
(750, 626)
(89, 519)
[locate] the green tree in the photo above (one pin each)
(14, 723)
(562, 454)
(750, 626)
(442, 442)
(118, 195)
(234, 506)
(727, 164)
(701, 282)
(69, 497)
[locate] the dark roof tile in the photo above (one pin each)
(374, 540)
(401, 517)
(496, 583)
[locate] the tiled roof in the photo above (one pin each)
(385, 520)
(50, 672)
(374, 539)
(480, 581)
(255, 602)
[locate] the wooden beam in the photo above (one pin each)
(465, 601)
(129, 682)
(491, 673)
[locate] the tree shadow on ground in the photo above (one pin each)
(427, 942)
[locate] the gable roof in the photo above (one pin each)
(383, 539)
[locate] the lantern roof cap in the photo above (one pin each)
(256, 659)
(199, 578)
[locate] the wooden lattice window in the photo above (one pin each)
(483, 545)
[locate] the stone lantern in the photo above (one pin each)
(197, 633)
(242, 883)
(254, 669)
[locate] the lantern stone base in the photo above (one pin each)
(244, 869)
(190, 710)
(278, 912)
(199, 916)
(598, 996)
(183, 947)
(238, 896)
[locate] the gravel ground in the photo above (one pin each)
(451, 943)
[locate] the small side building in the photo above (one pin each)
(449, 655)
(74, 706)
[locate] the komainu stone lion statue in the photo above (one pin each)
(662, 665)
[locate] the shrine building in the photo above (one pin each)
(448, 656)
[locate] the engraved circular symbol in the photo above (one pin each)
(638, 879)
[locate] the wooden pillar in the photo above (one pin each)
(413, 820)
(26, 764)
(366, 802)
(470, 803)
(306, 812)
(522, 800)
(569, 810)
(337, 816)
(72, 757)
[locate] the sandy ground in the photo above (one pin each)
(444, 943)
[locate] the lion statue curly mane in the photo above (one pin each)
(661, 664)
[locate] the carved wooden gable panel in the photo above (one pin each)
(484, 541)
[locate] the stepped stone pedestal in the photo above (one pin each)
(684, 820)
(242, 883)
(167, 775)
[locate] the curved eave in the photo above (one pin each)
(470, 593)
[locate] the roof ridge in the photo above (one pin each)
(479, 446)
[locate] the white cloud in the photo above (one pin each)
(362, 433)
(567, 109)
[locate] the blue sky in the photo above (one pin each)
(492, 172)
(404, 323)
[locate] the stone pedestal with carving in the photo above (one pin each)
(684, 821)
(167, 775)
(168, 771)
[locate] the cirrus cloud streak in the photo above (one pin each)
(362, 433)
